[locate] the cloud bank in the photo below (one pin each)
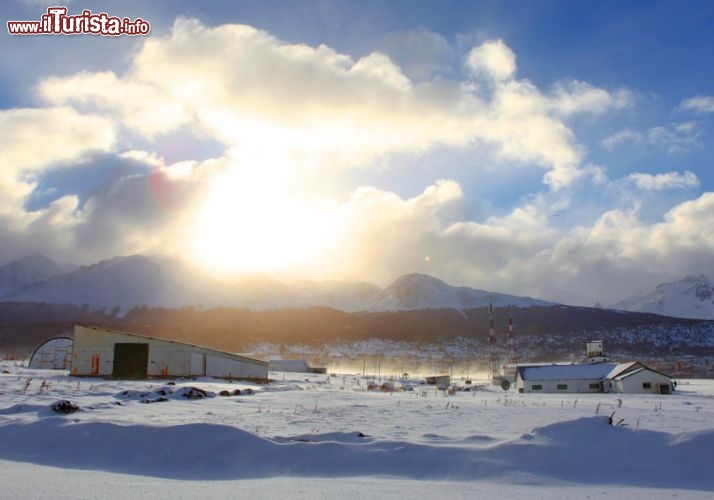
(283, 113)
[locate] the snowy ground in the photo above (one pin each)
(314, 436)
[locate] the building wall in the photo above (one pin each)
(634, 384)
(93, 355)
(552, 386)
(55, 354)
(643, 382)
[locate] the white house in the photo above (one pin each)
(640, 379)
(99, 352)
(631, 378)
(563, 378)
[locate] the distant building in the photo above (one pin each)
(288, 365)
(630, 378)
(640, 379)
(596, 352)
(99, 352)
(441, 381)
(293, 365)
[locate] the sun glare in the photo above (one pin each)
(251, 223)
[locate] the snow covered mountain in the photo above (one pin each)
(691, 297)
(128, 282)
(420, 291)
(122, 282)
(23, 272)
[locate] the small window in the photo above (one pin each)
(537, 387)
(646, 385)
(595, 386)
(562, 387)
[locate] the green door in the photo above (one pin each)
(130, 361)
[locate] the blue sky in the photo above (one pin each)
(556, 149)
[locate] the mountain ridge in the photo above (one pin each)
(690, 297)
(125, 282)
(136, 280)
(28, 270)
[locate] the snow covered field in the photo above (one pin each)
(314, 436)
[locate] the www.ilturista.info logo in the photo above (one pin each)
(57, 22)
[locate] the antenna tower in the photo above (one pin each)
(494, 362)
(512, 354)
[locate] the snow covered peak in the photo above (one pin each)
(420, 291)
(26, 271)
(694, 278)
(122, 282)
(690, 297)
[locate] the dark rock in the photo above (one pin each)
(64, 406)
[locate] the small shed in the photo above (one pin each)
(54, 354)
(100, 352)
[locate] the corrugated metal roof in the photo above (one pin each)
(566, 372)
(641, 368)
(623, 367)
(620, 377)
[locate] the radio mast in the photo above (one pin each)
(512, 354)
(494, 363)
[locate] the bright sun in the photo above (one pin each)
(251, 223)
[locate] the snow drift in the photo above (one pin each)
(586, 450)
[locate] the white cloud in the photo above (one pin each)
(669, 180)
(577, 97)
(698, 104)
(380, 68)
(492, 60)
(282, 109)
(622, 137)
(33, 140)
(613, 257)
(138, 105)
(251, 90)
(519, 121)
(522, 252)
(383, 234)
(598, 174)
(37, 138)
(674, 138)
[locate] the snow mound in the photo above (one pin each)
(586, 450)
